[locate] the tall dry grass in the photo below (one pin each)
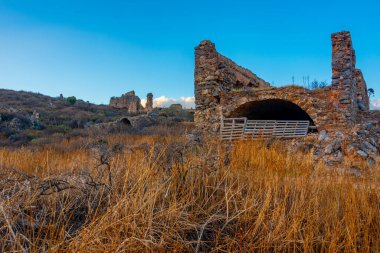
(167, 194)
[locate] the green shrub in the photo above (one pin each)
(71, 100)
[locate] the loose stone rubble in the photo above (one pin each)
(340, 112)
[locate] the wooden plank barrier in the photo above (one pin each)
(232, 128)
(241, 128)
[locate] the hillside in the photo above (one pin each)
(27, 117)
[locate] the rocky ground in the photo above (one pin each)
(352, 150)
(361, 141)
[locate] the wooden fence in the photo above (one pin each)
(241, 128)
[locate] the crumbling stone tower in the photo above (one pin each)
(149, 102)
(224, 89)
(347, 81)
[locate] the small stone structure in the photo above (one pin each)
(224, 89)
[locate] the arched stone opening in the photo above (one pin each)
(125, 121)
(271, 109)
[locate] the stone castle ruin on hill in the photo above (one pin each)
(225, 90)
(132, 103)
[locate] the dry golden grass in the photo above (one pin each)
(160, 194)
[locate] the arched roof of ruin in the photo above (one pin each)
(310, 101)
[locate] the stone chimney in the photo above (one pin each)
(149, 102)
(343, 74)
(205, 80)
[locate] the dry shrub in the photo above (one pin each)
(166, 194)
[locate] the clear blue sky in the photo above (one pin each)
(98, 49)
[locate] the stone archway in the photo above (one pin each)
(271, 109)
(285, 103)
(125, 121)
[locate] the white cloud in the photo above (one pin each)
(375, 104)
(186, 102)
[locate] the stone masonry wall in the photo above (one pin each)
(234, 76)
(214, 76)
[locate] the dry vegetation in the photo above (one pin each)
(58, 119)
(165, 193)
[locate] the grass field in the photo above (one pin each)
(150, 193)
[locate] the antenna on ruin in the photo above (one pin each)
(293, 80)
(305, 81)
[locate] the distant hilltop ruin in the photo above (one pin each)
(132, 103)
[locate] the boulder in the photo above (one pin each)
(374, 140)
(323, 136)
(333, 147)
(369, 148)
(362, 153)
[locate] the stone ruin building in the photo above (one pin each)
(132, 103)
(339, 111)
